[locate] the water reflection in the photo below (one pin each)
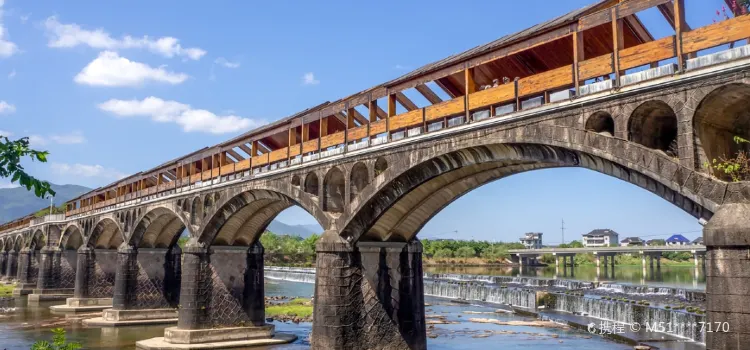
(668, 276)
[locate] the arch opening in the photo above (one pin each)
(311, 184)
(654, 125)
(160, 228)
(398, 209)
(601, 122)
(195, 211)
(380, 166)
(72, 238)
(358, 180)
(295, 180)
(720, 117)
(106, 235)
(334, 186)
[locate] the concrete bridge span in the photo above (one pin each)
(373, 183)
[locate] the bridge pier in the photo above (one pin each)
(3, 263)
(368, 296)
(94, 281)
(11, 267)
(222, 301)
(56, 276)
(146, 289)
(28, 265)
(727, 238)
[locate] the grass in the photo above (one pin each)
(6, 289)
(299, 307)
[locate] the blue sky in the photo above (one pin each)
(112, 88)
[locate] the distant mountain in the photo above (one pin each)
(17, 202)
(303, 231)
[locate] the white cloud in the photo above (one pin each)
(309, 79)
(25, 18)
(6, 133)
(6, 108)
(227, 64)
(72, 35)
(85, 170)
(179, 113)
(37, 140)
(12, 74)
(400, 67)
(72, 138)
(7, 47)
(109, 69)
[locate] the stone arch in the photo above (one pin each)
(380, 166)
(159, 228)
(72, 238)
(334, 187)
(195, 210)
(295, 180)
(18, 243)
(397, 208)
(358, 179)
(722, 114)
(601, 122)
(126, 224)
(311, 184)
(208, 204)
(654, 124)
(106, 234)
(38, 240)
(243, 218)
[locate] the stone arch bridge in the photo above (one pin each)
(372, 202)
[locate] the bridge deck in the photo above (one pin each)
(494, 81)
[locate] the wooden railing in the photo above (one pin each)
(713, 35)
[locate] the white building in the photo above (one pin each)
(532, 240)
(600, 238)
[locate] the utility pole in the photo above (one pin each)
(562, 229)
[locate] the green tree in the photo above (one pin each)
(465, 252)
(59, 342)
(11, 154)
(495, 251)
(444, 253)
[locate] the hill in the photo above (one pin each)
(303, 231)
(17, 202)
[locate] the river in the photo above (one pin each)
(25, 326)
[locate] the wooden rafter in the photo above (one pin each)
(667, 10)
(246, 149)
(235, 155)
(448, 87)
(428, 94)
(405, 101)
(381, 112)
(359, 117)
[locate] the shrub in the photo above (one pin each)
(465, 252)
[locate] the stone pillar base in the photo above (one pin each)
(50, 294)
(82, 305)
(216, 338)
(23, 289)
(114, 318)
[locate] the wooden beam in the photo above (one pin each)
(373, 108)
(428, 94)
(340, 116)
(618, 42)
(350, 118)
(471, 87)
(578, 56)
(246, 149)
(679, 26)
(448, 87)
(382, 114)
(624, 9)
(235, 155)
(405, 102)
(638, 28)
(359, 117)
(391, 113)
(736, 12)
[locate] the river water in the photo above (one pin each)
(667, 276)
(26, 326)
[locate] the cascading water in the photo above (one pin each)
(678, 323)
(480, 292)
(293, 274)
(523, 281)
(685, 294)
